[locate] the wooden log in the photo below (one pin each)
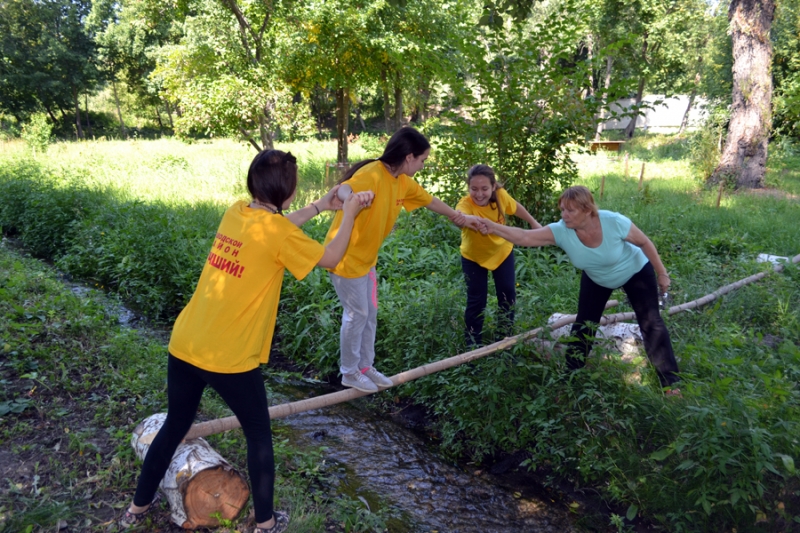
(200, 486)
(220, 425)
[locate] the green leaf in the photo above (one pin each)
(788, 463)
(662, 454)
(633, 510)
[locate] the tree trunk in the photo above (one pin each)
(199, 484)
(169, 114)
(158, 117)
(263, 130)
(745, 155)
(692, 96)
(50, 112)
(122, 130)
(387, 105)
(77, 113)
(89, 131)
(631, 128)
(606, 84)
(342, 119)
(398, 104)
(360, 119)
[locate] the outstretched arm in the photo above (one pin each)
(523, 237)
(637, 237)
(527, 217)
(438, 206)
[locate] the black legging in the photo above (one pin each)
(642, 291)
(477, 278)
(245, 395)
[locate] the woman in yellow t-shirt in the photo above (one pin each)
(225, 331)
(483, 253)
(354, 278)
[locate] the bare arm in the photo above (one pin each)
(441, 208)
(637, 237)
(329, 202)
(335, 249)
(527, 217)
(541, 236)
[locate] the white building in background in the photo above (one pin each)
(663, 117)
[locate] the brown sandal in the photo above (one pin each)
(130, 519)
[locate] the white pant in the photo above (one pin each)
(359, 298)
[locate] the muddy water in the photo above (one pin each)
(390, 467)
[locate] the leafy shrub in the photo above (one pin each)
(37, 133)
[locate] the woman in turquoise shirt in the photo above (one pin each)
(613, 253)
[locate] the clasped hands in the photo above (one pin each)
(472, 222)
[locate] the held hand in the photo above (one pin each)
(365, 198)
(473, 222)
(358, 201)
(331, 200)
(458, 218)
(663, 282)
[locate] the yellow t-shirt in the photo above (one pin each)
(489, 251)
(228, 324)
(373, 225)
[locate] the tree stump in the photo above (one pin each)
(200, 486)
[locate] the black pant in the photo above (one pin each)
(642, 292)
(245, 395)
(477, 279)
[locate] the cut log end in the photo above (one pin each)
(214, 494)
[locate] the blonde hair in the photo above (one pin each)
(580, 197)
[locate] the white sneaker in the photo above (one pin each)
(378, 379)
(360, 382)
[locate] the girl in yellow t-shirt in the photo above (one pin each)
(483, 253)
(354, 278)
(225, 331)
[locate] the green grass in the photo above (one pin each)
(137, 218)
(74, 385)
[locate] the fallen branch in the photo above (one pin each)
(203, 429)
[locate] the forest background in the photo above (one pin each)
(90, 90)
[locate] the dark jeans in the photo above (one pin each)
(477, 292)
(245, 395)
(642, 292)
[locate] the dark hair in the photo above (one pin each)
(486, 170)
(272, 177)
(405, 141)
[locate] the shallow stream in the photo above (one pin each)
(390, 467)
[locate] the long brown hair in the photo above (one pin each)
(486, 170)
(405, 141)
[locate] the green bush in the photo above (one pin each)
(37, 133)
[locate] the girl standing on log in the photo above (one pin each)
(613, 253)
(225, 331)
(354, 278)
(481, 254)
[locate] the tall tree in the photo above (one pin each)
(47, 58)
(744, 158)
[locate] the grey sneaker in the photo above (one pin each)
(359, 381)
(378, 379)
(281, 523)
